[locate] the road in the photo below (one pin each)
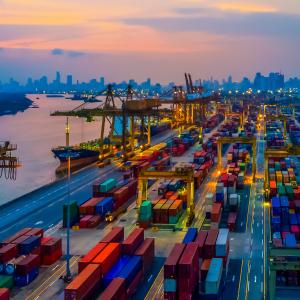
(253, 258)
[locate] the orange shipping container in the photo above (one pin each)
(108, 257)
(273, 184)
(84, 261)
(85, 285)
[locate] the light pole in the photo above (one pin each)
(68, 275)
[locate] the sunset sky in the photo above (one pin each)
(161, 39)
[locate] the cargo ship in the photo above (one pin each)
(80, 156)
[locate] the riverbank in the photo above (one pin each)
(12, 103)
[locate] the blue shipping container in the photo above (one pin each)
(131, 269)
(26, 279)
(105, 206)
(115, 270)
(190, 235)
(29, 244)
(290, 240)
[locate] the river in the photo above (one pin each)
(36, 132)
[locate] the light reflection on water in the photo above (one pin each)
(36, 132)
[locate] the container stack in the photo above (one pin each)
(285, 211)
(195, 267)
(114, 267)
(108, 197)
(22, 254)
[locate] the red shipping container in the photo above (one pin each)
(8, 252)
(121, 196)
(204, 269)
(231, 221)
(210, 243)
(83, 223)
(188, 266)
(15, 236)
(88, 208)
(134, 284)
(36, 232)
(85, 285)
(44, 240)
(49, 259)
(51, 245)
(170, 266)
(4, 294)
(132, 242)
(27, 264)
(170, 296)
(200, 240)
(216, 212)
(89, 257)
(116, 235)
(146, 251)
(116, 290)
(175, 208)
(164, 215)
(94, 221)
(108, 257)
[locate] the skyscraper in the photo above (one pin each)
(69, 81)
(57, 77)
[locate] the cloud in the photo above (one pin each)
(57, 51)
(69, 53)
(229, 23)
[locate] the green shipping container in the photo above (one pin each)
(277, 166)
(74, 214)
(108, 185)
(146, 208)
(173, 219)
(281, 190)
(6, 281)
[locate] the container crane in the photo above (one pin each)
(8, 162)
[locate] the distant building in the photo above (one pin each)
(69, 81)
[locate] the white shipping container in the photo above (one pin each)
(233, 199)
(222, 242)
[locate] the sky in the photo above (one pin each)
(161, 39)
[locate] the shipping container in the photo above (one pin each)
(108, 257)
(190, 236)
(133, 241)
(116, 235)
(131, 269)
(146, 252)
(90, 256)
(115, 291)
(213, 278)
(4, 294)
(86, 285)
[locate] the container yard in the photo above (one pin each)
(204, 204)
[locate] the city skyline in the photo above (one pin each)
(273, 81)
(157, 39)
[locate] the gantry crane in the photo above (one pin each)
(235, 114)
(276, 117)
(281, 259)
(185, 173)
(8, 163)
(243, 140)
(130, 110)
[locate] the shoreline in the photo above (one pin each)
(12, 103)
